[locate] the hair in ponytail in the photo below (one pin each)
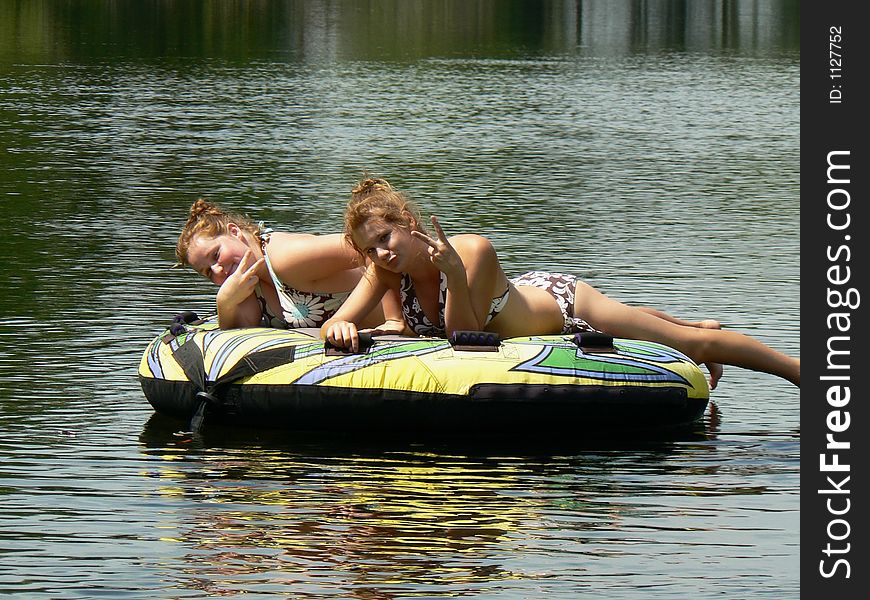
(208, 220)
(375, 198)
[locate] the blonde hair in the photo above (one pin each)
(375, 198)
(208, 220)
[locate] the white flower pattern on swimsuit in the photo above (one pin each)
(298, 308)
(306, 310)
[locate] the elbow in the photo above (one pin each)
(239, 321)
(225, 322)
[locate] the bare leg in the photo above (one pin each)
(706, 323)
(703, 345)
(714, 368)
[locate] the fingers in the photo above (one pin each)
(384, 329)
(246, 273)
(247, 260)
(244, 281)
(438, 229)
(343, 334)
(425, 238)
(442, 237)
(252, 270)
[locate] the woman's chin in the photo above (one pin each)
(392, 265)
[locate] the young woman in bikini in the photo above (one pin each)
(449, 284)
(274, 279)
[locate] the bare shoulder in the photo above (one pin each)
(290, 250)
(476, 251)
(294, 241)
(471, 242)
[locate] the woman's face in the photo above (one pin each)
(217, 257)
(387, 245)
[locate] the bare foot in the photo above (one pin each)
(715, 369)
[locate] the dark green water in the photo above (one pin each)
(650, 147)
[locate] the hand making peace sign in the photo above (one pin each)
(241, 283)
(441, 253)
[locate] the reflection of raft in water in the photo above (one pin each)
(287, 379)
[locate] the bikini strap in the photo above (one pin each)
(263, 232)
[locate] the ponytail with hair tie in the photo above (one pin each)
(375, 198)
(209, 220)
(371, 185)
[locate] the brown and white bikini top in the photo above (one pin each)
(417, 319)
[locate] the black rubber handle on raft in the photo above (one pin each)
(475, 341)
(179, 324)
(474, 338)
(594, 341)
(188, 317)
(365, 342)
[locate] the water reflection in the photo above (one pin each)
(309, 515)
(395, 30)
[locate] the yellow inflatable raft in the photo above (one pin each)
(472, 383)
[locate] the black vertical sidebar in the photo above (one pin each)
(835, 422)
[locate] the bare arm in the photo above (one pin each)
(394, 320)
(248, 313)
(472, 269)
(341, 329)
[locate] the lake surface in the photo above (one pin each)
(651, 148)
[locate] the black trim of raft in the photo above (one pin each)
(488, 408)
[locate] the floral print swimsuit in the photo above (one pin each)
(298, 308)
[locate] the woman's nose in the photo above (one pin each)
(383, 253)
(217, 271)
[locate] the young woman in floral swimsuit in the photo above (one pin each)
(450, 284)
(274, 279)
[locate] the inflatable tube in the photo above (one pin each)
(473, 383)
